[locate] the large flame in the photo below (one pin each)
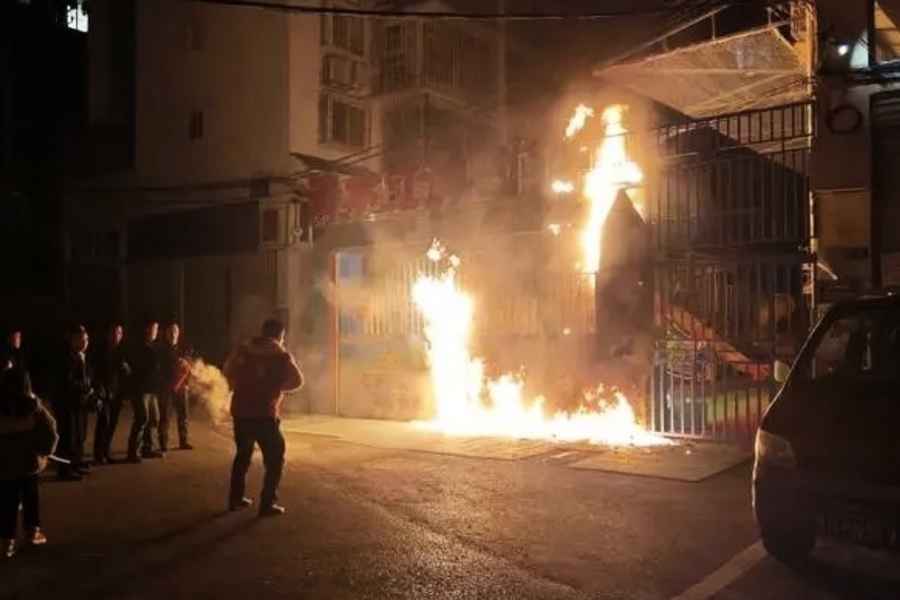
(468, 403)
(612, 171)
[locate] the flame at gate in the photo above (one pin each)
(612, 171)
(468, 403)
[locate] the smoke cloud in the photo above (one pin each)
(209, 386)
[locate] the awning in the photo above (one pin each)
(341, 167)
(754, 69)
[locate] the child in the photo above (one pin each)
(27, 437)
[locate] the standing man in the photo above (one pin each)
(175, 370)
(111, 371)
(260, 372)
(145, 365)
(74, 397)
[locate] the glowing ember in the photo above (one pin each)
(467, 403)
(562, 187)
(612, 172)
(578, 120)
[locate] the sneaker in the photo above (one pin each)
(134, 459)
(185, 446)
(100, 460)
(273, 510)
(83, 469)
(36, 537)
(8, 547)
(111, 461)
(154, 454)
(240, 504)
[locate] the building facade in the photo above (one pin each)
(234, 150)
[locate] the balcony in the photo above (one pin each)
(725, 60)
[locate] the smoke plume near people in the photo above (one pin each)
(209, 386)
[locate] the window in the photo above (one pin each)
(77, 18)
(343, 72)
(341, 122)
(195, 125)
(270, 222)
(399, 52)
(886, 33)
(864, 343)
(441, 55)
(344, 31)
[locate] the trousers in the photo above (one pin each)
(107, 421)
(23, 490)
(72, 422)
(146, 419)
(167, 402)
(247, 434)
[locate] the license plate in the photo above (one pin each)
(861, 528)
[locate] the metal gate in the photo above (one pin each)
(379, 333)
(730, 213)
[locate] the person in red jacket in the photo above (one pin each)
(259, 373)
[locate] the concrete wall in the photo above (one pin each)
(841, 167)
(228, 63)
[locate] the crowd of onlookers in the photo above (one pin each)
(86, 381)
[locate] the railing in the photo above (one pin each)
(763, 130)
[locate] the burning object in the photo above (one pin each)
(467, 402)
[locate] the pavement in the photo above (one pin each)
(371, 522)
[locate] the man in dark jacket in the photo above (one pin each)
(73, 401)
(146, 368)
(259, 373)
(175, 369)
(27, 437)
(111, 371)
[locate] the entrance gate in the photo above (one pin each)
(730, 212)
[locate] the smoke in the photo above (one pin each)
(209, 386)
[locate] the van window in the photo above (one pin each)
(865, 343)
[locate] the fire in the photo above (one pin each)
(562, 187)
(468, 403)
(578, 120)
(612, 172)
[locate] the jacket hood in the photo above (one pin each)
(261, 346)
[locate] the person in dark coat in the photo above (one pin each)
(260, 372)
(27, 437)
(145, 365)
(75, 398)
(175, 370)
(111, 372)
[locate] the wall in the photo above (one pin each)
(841, 162)
(228, 63)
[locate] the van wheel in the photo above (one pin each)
(790, 545)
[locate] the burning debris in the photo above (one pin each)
(469, 403)
(578, 120)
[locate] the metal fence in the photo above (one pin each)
(730, 215)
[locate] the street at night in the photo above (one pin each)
(370, 523)
(427, 299)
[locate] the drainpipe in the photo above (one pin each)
(502, 121)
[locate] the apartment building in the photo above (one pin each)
(233, 149)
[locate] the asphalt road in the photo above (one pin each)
(369, 523)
